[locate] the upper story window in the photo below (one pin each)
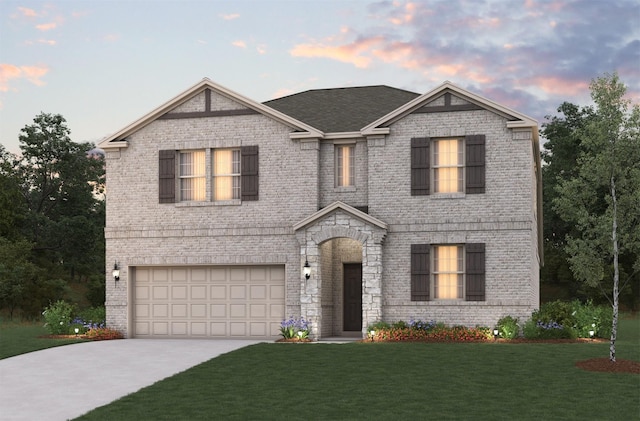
(192, 176)
(448, 166)
(345, 163)
(186, 176)
(226, 174)
(440, 166)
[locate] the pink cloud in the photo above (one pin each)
(231, 16)
(354, 52)
(47, 26)
(239, 44)
(559, 86)
(409, 11)
(30, 13)
(10, 72)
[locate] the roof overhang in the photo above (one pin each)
(300, 130)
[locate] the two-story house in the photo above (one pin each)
(343, 206)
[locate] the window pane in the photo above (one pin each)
(448, 160)
(448, 272)
(192, 175)
(345, 163)
(226, 174)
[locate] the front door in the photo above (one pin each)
(352, 313)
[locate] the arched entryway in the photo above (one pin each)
(341, 244)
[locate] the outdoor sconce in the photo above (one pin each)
(116, 272)
(496, 332)
(306, 270)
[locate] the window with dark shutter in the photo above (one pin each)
(420, 272)
(167, 176)
(249, 172)
(475, 163)
(475, 272)
(420, 166)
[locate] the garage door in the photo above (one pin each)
(217, 302)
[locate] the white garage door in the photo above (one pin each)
(218, 302)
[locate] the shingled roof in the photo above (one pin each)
(342, 109)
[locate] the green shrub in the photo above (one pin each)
(379, 326)
(400, 324)
(58, 317)
(93, 315)
(590, 317)
(508, 327)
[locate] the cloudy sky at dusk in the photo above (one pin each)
(104, 64)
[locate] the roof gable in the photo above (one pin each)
(448, 97)
(198, 97)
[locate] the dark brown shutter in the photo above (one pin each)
(475, 167)
(420, 272)
(475, 272)
(249, 168)
(420, 166)
(167, 176)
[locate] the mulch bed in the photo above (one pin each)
(604, 365)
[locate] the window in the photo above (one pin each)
(186, 175)
(226, 174)
(345, 166)
(448, 166)
(192, 176)
(448, 272)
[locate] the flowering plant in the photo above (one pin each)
(103, 334)
(294, 328)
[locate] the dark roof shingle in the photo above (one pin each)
(342, 109)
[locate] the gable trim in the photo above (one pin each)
(301, 130)
(344, 207)
(516, 119)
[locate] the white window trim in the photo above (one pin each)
(434, 272)
(433, 168)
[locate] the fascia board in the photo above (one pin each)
(200, 86)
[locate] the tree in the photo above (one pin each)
(601, 197)
(561, 149)
(59, 188)
(51, 215)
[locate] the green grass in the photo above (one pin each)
(21, 337)
(495, 381)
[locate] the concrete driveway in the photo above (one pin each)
(65, 382)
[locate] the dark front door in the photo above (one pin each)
(352, 296)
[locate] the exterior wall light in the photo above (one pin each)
(306, 270)
(496, 332)
(116, 272)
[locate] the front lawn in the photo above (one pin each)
(395, 381)
(21, 337)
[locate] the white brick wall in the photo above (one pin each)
(296, 179)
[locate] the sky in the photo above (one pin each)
(104, 64)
